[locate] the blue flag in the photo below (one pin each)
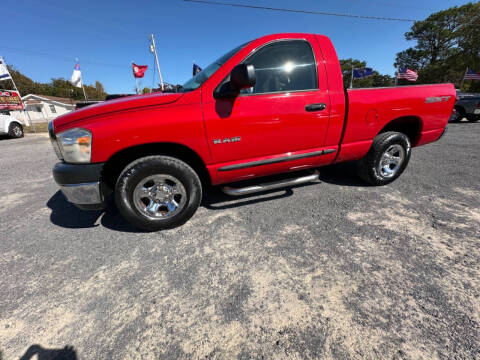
(196, 69)
(361, 73)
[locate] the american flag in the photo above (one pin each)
(405, 73)
(471, 75)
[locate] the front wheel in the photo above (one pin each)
(387, 158)
(15, 130)
(158, 192)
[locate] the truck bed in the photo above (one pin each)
(427, 108)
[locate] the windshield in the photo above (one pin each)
(203, 75)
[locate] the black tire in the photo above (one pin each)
(15, 130)
(459, 115)
(369, 166)
(142, 169)
(473, 118)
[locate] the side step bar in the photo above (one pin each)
(271, 185)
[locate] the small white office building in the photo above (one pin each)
(43, 108)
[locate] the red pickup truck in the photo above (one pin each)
(273, 105)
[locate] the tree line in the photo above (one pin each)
(56, 87)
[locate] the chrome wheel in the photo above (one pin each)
(391, 161)
(159, 196)
(17, 130)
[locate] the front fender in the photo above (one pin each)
(179, 123)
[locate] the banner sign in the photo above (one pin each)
(10, 100)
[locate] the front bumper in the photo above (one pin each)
(81, 184)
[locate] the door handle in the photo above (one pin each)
(316, 107)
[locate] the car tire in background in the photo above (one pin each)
(387, 158)
(473, 118)
(158, 192)
(15, 130)
(457, 115)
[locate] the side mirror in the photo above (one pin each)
(242, 77)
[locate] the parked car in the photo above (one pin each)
(273, 105)
(10, 126)
(466, 106)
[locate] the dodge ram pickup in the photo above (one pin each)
(273, 105)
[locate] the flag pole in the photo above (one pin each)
(351, 80)
(463, 79)
(84, 93)
(24, 110)
(20, 96)
(136, 80)
(81, 82)
(396, 77)
(156, 59)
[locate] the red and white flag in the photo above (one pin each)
(139, 70)
(406, 73)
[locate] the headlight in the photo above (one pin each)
(75, 145)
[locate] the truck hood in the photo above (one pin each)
(121, 104)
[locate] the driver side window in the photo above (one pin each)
(287, 65)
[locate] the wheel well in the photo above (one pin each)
(117, 162)
(409, 125)
(15, 122)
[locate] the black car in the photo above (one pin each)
(467, 106)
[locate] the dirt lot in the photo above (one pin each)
(335, 269)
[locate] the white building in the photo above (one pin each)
(43, 108)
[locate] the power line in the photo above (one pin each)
(325, 13)
(474, 22)
(392, 4)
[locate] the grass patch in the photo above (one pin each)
(39, 127)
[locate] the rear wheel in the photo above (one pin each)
(158, 192)
(387, 158)
(15, 130)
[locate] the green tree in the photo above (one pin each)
(100, 91)
(146, 90)
(447, 42)
(376, 80)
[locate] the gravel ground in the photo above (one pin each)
(335, 269)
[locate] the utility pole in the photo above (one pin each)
(153, 49)
(463, 79)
